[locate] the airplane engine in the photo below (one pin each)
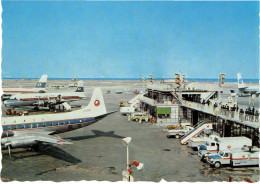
(16, 142)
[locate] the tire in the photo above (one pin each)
(177, 136)
(217, 165)
(35, 148)
(168, 136)
(203, 159)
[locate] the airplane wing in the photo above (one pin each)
(51, 139)
(39, 136)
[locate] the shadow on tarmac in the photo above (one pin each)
(97, 134)
(48, 150)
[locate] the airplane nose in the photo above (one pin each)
(6, 103)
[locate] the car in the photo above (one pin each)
(139, 115)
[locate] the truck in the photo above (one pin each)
(200, 128)
(195, 142)
(234, 158)
(131, 106)
(178, 132)
(223, 143)
(127, 110)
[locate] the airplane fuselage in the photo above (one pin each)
(247, 91)
(41, 99)
(56, 126)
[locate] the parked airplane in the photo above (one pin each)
(244, 90)
(30, 131)
(46, 99)
(39, 88)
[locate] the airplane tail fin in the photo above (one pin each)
(97, 104)
(80, 87)
(240, 82)
(42, 82)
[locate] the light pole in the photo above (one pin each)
(139, 166)
(126, 141)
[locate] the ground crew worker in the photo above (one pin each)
(241, 113)
(256, 115)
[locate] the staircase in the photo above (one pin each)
(195, 132)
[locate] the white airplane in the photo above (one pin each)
(46, 99)
(30, 131)
(244, 90)
(39, 88)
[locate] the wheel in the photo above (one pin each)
(203, 159)
(217, 164)
(177, 136)
(35, 147)
(231, 163)
(168, 136)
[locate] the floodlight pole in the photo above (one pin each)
(127, 159)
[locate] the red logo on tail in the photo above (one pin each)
(97, 103)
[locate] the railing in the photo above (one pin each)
(161, 86)
(155, 102)
(224, 113)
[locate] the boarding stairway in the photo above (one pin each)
(134, 101)
(176, 96)
(196, 131)
(208, 95)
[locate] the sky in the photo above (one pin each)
(127, 39)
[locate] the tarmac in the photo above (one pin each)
(98, 154)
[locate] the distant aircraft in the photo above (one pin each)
(30, 131)
(244, 90)
(46, 99)
(39, 88)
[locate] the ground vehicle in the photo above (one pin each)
(178, 132)
(223, 143)
(235, 158)
(129, 107)
(16, 112)
(127, 110)
(197, 141)
(196, 131)
(139, 115)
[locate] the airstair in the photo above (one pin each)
(209, 95)
(134, 101)
(195, 132)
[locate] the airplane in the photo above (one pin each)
(244, 90)
(46, 99)
(39, 88)
(31, 131)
